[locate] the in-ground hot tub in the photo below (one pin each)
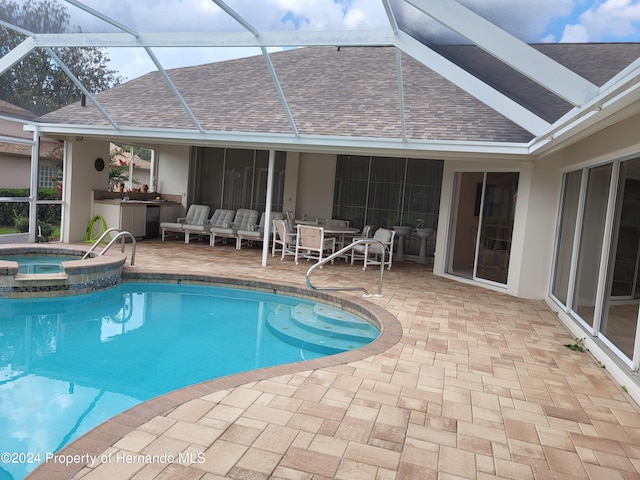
(74, 275)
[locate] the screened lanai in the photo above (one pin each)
(521, 129)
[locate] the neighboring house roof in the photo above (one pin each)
(15, 111)
(347, 92)
(48, 149)
(48, 146)
(125, 158)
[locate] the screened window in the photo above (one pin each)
(236, 178)
(385, 191)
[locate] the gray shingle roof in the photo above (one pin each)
(349, 92)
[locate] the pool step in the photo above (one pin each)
(336, 315)
(341, 324)
(301, 327)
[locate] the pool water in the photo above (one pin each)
(69, 363)
(40, 263)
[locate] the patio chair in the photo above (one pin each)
(365, 234)
(371, 253)
(291, 220)
(311, 239)
(244, 219)
(220, 215)
(196, 215)
(256, 234)
(283, 239)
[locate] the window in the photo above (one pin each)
(386, 191)
(48, 176)
(234, 178)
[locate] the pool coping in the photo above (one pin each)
(105, 435)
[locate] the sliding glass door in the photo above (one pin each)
(597, 255)
(481, 231)
(619, 322)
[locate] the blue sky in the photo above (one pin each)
(597, 21)
(531, 20)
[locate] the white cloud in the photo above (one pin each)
(611, 20)
(575, 34)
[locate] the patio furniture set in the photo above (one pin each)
(239, 225)
(300, 239)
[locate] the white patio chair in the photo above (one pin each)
(196, 215)
(256, 234)
(203, 228)
(283, 239)
(311, 239)
(371, 253)
(243, 220)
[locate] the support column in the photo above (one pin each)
(267, 207)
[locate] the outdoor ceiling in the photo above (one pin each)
(426, 30)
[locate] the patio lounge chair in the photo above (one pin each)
(219, 218)
(284, 240)
(256, 234)
(244, 220)
(311, 239)
(371, 253)
(196, 215)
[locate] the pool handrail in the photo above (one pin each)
(121, 234)
(340, 252)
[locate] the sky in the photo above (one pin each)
(533, 21)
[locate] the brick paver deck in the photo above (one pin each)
(474, 385)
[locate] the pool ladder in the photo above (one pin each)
(120, 235)
(341, 252)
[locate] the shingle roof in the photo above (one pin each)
(348, 91)
(48, 149)
(7, 108)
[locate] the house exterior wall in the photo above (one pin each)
(291, 182)
(316, 181)
(516, 284)
(173, 170)
(80, 180)
(16, 172)
(616, 142)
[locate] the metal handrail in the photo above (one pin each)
(341, 252)
(120, 234)
(104, 234)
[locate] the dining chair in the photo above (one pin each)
(371, 253)
(310, 239)
(283, 239)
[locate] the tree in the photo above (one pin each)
(37, 83)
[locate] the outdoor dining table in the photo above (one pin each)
(340, 231)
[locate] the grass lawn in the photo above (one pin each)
(4, 230)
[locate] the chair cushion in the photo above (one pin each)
(221, 216)
(244, 218)
(197, 214)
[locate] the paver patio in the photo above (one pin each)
(478, 386)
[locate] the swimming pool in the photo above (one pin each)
(69, 363)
